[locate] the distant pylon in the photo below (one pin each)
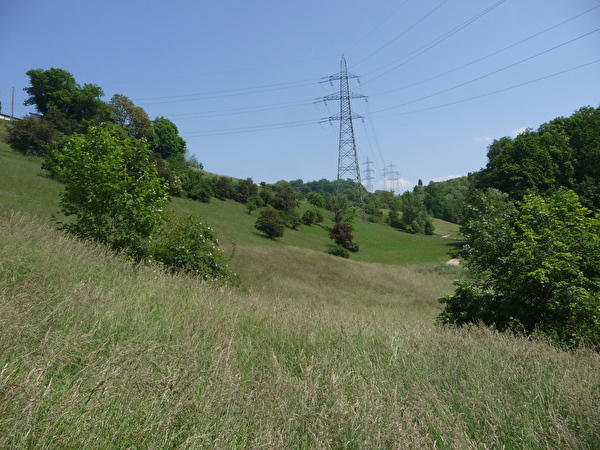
(393, 176)
(348, 166)
(369, 175)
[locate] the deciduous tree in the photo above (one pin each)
(166, 140)
(133, 119)
(111, 188)
(269, 222)
(538, 268)
(57, 89)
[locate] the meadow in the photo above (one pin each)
(312, 351)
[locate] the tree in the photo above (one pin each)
(222, 187)
(312, 216)
(316, 199)
(414, 214)
(285, 197)
(339, 205)
(57, 89)
(269, 222)
(133, 119)
(112, 189)
(166, 140)
(538, 268)
(32, 136)
(196, 186)
(341, 234)
(564, 152)
(244, 190)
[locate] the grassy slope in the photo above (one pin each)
(315, 352)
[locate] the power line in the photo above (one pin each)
(274, 126)
(493, 92)
(489, 55)
(489, 73)
(378, 26)
(404, 32)
(228, 92)
(242, 110)
(433, 43)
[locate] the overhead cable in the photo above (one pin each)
(490, 73)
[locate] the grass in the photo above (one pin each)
(312, 352)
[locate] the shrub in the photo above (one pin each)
(112, 188)
(196, 185)
(291, 218)
(538, 266)
(269, 222)
(337, 250)
(188, 245)
(312, 216)
(33, 136)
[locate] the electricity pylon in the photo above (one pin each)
(348, 166)
(369, 175)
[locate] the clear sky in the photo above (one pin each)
(240, 79)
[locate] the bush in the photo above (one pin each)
(269, 222)
(112, 188)
(196, 185)
(538, 266)
(33, 136)
(337, 250)
(188, 245)
(312, 216)
(291, 218)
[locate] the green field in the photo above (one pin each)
(312, 351)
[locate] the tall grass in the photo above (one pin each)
(312, 352)
(97, 353)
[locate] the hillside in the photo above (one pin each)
(313, 351)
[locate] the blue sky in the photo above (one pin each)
(240, 79)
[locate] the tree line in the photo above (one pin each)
(531, 223)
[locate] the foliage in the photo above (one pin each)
(373, 209)
(32, 136)
(564, 152)
(57, 89)
(269, 222)
(222, 187)
(112, 189)
(385, 198)
(415, 218)
(291, 219)
(312, 216)
(337, 250)
(196, 186)
(192, 161)
(133, 119)
(539, 266)
(254, 202)
(393, 219)
(446, 199)
(316, 199)
(166, 140)
(285, 198)
(186, 244)
(244, 190)
(341, 234)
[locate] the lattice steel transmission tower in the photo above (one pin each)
(348, 166)
(369, 175)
